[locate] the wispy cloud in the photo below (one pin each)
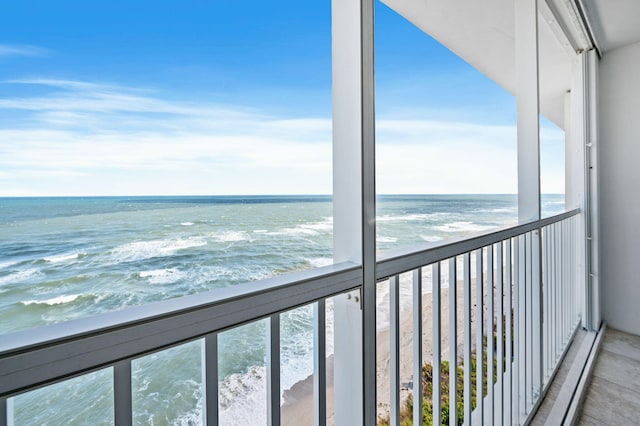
(22, 50)
(103, 132)
(90, 138)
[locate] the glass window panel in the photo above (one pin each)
(446, 147)
(141, 145)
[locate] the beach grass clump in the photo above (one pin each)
(406, 411)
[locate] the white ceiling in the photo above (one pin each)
(615, 23)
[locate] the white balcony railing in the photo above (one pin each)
(520, 294)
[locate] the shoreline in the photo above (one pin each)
(298, 400)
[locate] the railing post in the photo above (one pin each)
(436, 376)
(417, 346)
(394, 349)
(536, 317)
(466, 316)
(319, 364)
(211, 379)
(4, 412)
(273, 371)
(479, 335)
(453, 344)
(528, 129)
(123, 402)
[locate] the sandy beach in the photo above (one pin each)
(298, 405)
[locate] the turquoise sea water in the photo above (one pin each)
(68, 258)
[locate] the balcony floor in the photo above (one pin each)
(613, 396)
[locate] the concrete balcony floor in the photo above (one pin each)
(613, 396)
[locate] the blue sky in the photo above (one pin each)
(224, 97)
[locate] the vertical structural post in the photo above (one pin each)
(526, 31)
(528, 117)
(354, 208)
(590, 61)
(123, 405)
(575, 172)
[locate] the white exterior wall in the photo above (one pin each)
(619, 157)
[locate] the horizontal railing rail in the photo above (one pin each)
(409, 258)
(529, 265)
(43, 355)
(512, 307)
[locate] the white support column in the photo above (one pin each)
(528, 119)
(592, 205)
(526, 32)
(354, 209)
(575, 169)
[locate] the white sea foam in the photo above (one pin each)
(406, 217)
(500, 210)
(386, 239)
(242, 397)
(194, 417)
(141, 250)
(260, 231)
(4, 265)
(307, 229)
(319, 262)
(62, 258)
(462, 227)
(187, 224)
(430, 238)
(54, 301)
(20, 276)
(230, 236)
(162, 276)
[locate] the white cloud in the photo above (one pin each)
(86, 138)
(22, 50)
(106, 133)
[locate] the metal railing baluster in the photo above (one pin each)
(490, 339)
(467, 338)
(520, 335)
(273, 370)
(453, 343)
(122, 393)
(509, 339)
(536, 315)
(211, 379)
(480, 335)
(417, 346)
(4, 412)
(319, 363)
(528, 320)
(500, 335)
(435, 292)
(394, 348)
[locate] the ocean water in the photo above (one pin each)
(67, 258)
